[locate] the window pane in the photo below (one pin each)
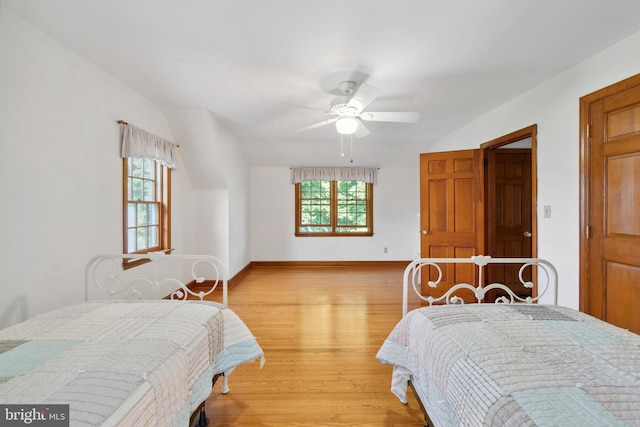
(153, 214)
(136, 165)
(315, 229)
(305, 189)
(148, 169)
(352, 229)
(149, 193)
(153, 237)
(324, 214)
(136, 189)
(325, 189)
(131, 240)
(131, 213)
(142, 218)
(141, 238)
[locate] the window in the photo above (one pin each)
(147, 211)
(334, 208)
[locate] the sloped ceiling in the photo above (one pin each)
(267, 68)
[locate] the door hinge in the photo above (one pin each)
(587, 231)
(588, 131)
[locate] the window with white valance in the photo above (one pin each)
(146, 186)
(136, 142)
(334, 201)
(368, 175)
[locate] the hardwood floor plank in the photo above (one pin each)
(320, 329)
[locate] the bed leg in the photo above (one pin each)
(225, 384)
(427, 421)
(202, 419)
(199, 417)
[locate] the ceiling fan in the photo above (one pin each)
(349, 114)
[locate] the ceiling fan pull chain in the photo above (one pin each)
(351, 159)
(341, 146)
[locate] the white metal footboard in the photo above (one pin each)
(547, 280)
(156, 279)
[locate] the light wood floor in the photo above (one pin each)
(320, 329)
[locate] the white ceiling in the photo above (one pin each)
(267, 68)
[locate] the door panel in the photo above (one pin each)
(610, 270)
(451, 214)
(512, 236)
(623, 281)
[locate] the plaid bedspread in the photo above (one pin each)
(516, 365)
(123, 363)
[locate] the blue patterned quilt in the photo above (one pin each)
(123, 363)
(516, 365)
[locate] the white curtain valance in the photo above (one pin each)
(369, 175)
(137, 143)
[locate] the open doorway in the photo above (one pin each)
(510, 204)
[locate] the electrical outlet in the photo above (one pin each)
(386, 249)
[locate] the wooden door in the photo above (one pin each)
(610, 219)
(509, 214)
(451, 213)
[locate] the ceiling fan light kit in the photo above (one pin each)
(346, 125)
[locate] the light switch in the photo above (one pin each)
(547, 211)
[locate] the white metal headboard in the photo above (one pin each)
(157, 277)
(547, 277)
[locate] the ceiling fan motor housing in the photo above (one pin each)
(342, 108)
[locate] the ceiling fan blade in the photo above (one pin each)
(401, 117)
(317, 125)
(363, 96)
(361, 130)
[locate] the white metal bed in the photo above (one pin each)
(516, 362)
(143, 349)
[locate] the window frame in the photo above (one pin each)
(333, 212)
(164, 213)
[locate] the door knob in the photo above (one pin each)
(424, 232)
(527, 234)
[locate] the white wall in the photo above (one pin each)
(554, 107)
(395, 207)
(220, 174)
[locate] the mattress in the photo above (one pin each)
(123, 363)
(515, 365)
